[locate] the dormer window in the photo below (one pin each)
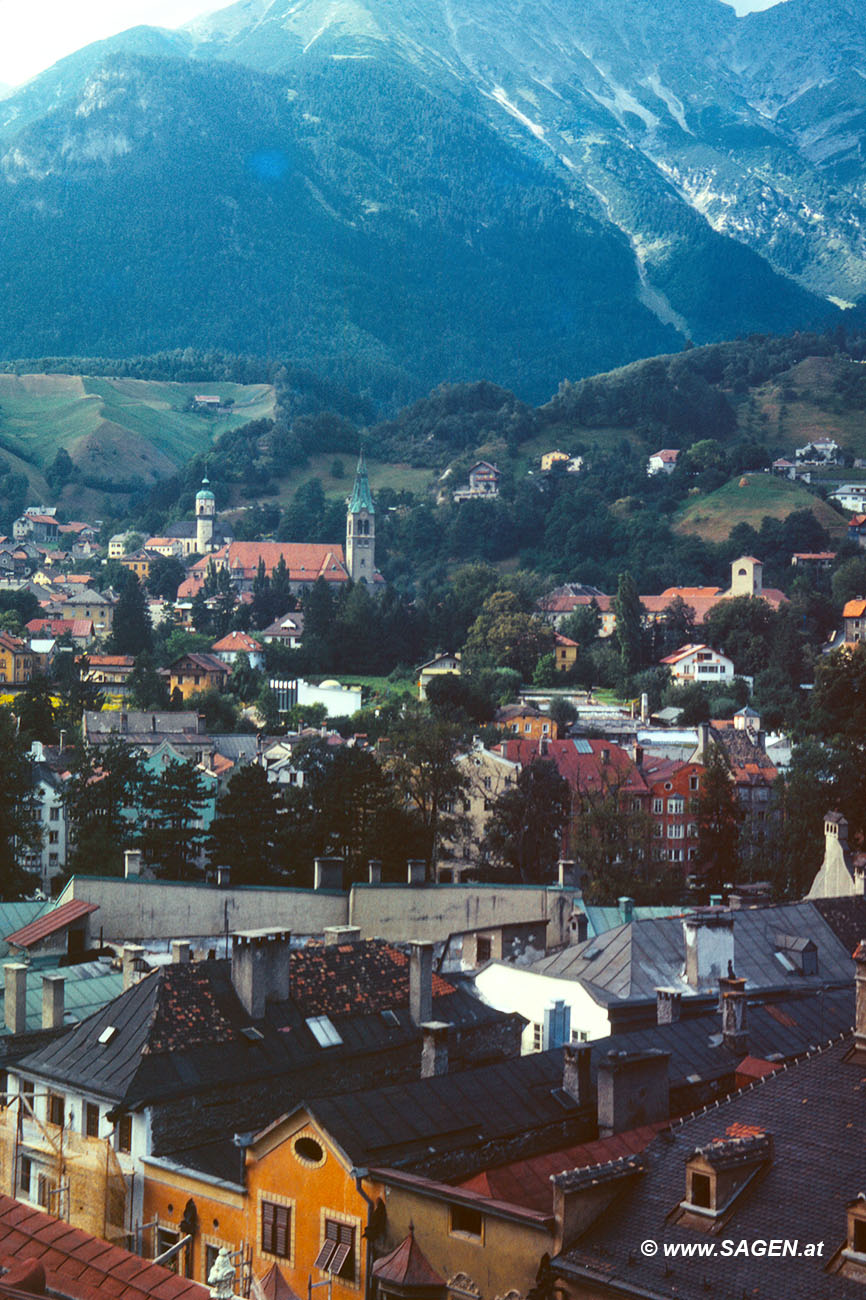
(718, 1174)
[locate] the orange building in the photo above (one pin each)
(196, 672)
(527, 722)
(16, 660)
(566, 653)
(295, 1204)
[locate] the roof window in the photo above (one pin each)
(107, 1034)
(323, 1031)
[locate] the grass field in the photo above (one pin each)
(117, 426)
(747, 500)
(802, 404)
(382, 474)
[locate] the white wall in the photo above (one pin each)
(508, 988)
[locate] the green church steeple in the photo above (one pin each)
(361, 496)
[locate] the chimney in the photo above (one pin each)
(578, 926)
(434, 1048)
(15, 996)
(565, 873)
(132, 954)
(416, 871)
(153, 722)
(335, 934)
(131, 863)
(421, 980)
(734, 1020)
(576, 1072)
(374, 866)
(261, 968)
(860, 985)
(703, 749)
(328, 873)
(626, 908)
(669, 1005)
(709, 947)
(729, 984)
(633, 1090)
(637, 754)
(124, 723)
(62, 745)
(644, 706)
(223, 877)
(53, 1001)
(180, 953)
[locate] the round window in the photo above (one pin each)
(309, 1150)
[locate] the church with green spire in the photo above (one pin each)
(361, 528)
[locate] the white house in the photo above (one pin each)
(699, 663)
(513, 988)
(443, 663)
(851, 496)
(663, 462)
(820, 451)
(234, 643)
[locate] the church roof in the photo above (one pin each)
(204, 493)
(362, 498)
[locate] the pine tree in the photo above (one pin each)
(243, 834)
(132, 630)
(20, 831)
(629, 624)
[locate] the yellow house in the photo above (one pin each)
(197, 672)
(551, 458)
(443, 663)
(16, 660)
(565, 651)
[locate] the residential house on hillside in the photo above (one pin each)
(526, 721)
(287, 631)
(194, 672)
(854, 621)
(138, 563)
(850, 496)
(571, 596)
(565, 653)
(442, 663)
(483, 483)
(228, 648)
(663, 462)
(39, 523)
(857, 529)
(79, 629)
(699, 664)
(820, 451)
(95, 605)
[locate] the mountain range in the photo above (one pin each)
(401, 192)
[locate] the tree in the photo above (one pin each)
(527, 820)
(171, 837)
(36, 711)
(131, 630)
(609, 831)
(20, 830)
(147, 689)
(504, 635)
(718, 823)
(165, 575)
(244, 832)
(104, 786)
(425, 772)
(629, 624)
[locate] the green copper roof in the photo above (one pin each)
(361, 496)
(204, 493)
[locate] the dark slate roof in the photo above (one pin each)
(181, 1030)
(410, 1123)
(815, 1114)
(632, 961)
(846, 917)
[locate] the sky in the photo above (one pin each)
(36, 33)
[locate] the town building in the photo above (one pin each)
(854, 621)
(857, 529)
(16, 660)
(228, 647)
(820, 451)
(195, 672)
(699, 664)
(565, 653)
(842, 874)
(436, 667)
(287, 631)
(526, 721)
(850, 496)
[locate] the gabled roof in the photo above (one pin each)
(407, 1266)
(50, 923)
(236, 641)
(633, 960)
(586, 765)
(305, 561)
(207, 663)
(686, 651)
(81, 1267)
(854, 609)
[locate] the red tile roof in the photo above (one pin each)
(57, 919)
(273, 1286)
(854, 609)
(407, 1266)
(236, 641)
(79, 1266)
(582, 771)
(366, 977)
(305, 561)
(527, 1182)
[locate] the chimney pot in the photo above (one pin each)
(434, 1048)
(669, 1005)
(565, 873)
(416, 871)
(180, 951)
(53, 996)
(375, 869)
(421, 981)
(132, 954)
(626, 908)
(15, 996)
(576, 1073)
(336, 934)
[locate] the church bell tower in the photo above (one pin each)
(361, 528)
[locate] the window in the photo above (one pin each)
(53, 859)
(124, 1133)
(56, 1110)
(537, 1037)
(91, 1119)
(337, 1254)
(307, 1149)
(483, 948)
(25, 1174)
(53, 837)
(701, 1190)
(858, 1237)
(27, 1089)
(694, 782)
(54, 814)
(46, 1189)
(210, 1258)
(676, 831)
(467, 1221)
(165, 1239)
(675, 805)
(658, 805)
(276, 1229)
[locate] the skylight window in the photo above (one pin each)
(390, 1017)
(107, 1034)
(323, 1031)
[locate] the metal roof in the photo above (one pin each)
(49, 923)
